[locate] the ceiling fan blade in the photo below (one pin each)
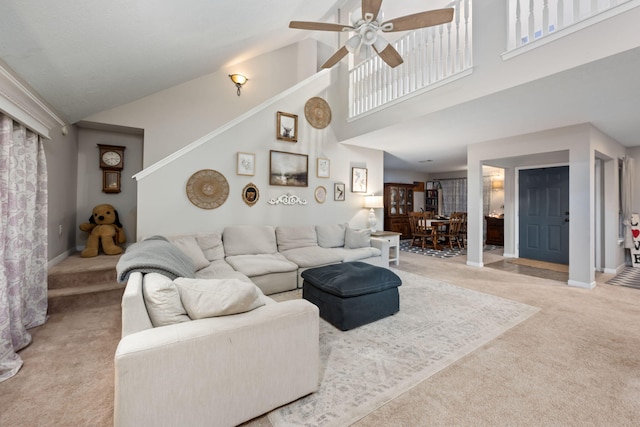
(336, 57)
(371, 7)
(389, 55)
(419, 20)
(319, 26)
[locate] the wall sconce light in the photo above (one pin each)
(238, 80)
(497, 184)
(371, 203)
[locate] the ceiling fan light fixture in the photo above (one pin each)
(353, 43)
(238, 80)
(380, 44)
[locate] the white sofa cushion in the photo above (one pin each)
(258, 265)
(295, 237)
(331, 236)
(190, 247)
(211, 244)
(313, 256)
(249, 240)
(220, 270)
(355, 239)
(204, 298)
(349, 255)
(162, 299)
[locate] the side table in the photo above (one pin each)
(394, 244)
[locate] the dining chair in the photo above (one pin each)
(453, 231)
(420, 232)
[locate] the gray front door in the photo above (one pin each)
(544, 214)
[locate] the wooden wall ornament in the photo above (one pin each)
(207, 189)
(317, 112)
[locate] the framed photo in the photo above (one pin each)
(338, 192)
(287, 127)
(358, 180)
(324, 168)
(250, 194)
(246, 164)
(320, 194)
(288, 169)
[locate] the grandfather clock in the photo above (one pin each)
(111, 163)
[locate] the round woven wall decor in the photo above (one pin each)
(317, 112)
(207, 189)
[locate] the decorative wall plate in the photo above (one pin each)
(320, 194)
(250, 194)
(317, 112)
(207, 189)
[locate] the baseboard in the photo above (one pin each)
(475, 264)
(59, 258)
(583, 285)
(616, 270)
(506, 255)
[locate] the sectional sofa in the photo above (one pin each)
(202, 342)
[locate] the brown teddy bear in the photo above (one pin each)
(103, 227)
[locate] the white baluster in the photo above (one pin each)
(458, 55)
(545, 18)
(594, 7)
(576, 11)
(532, 21)
(467, 41)
(518, 25)
(560, 14)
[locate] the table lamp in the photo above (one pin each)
(371, 203)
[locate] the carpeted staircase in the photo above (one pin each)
(77, 283)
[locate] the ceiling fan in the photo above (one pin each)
(366, 24)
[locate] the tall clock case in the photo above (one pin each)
(111, 162)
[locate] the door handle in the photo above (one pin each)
(566, 220)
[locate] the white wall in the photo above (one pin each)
(163, 205)
(175, 117)
(89, 185)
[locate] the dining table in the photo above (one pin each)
(438, 226)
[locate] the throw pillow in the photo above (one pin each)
(162, 299)
(331, 236)
(189, 246)
(217, 297)
(355, 239)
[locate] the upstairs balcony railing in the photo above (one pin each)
(432, 56)
(532, 20)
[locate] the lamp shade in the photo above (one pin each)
(497, 184)
(373, 202)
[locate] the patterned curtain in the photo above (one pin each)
(454, 195)
(23, 240)
(486, 195)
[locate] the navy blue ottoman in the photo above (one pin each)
(352, 294)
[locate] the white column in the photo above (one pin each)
(510, 213)
(581, 216)
(475, 218)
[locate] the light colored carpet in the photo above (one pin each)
(366, 367)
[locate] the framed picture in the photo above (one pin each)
(324, 168)
(250, 194)
(287, 127)
(246, 164)
(358, 180)
(320, 194)
(288, 169)
(338, 192)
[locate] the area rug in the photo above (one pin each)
(629, 277)
(446, 252)
(364, 368)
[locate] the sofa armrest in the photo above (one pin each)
(228, 369)
(383, 245)
(134, 311)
